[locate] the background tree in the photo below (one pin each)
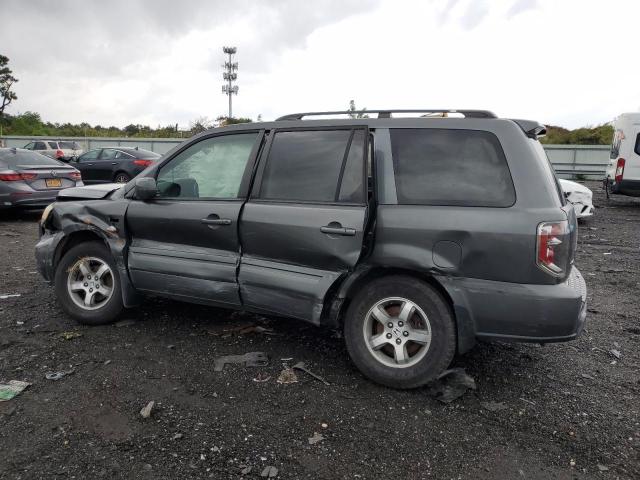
(6, 82)
(224, 121)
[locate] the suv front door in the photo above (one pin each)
(184, 243)
(303, 226)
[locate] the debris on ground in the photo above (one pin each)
(493, 406)
(58, 375)
(269, 472)
(125, 323)
(250, 359)
(11, 389)
(451, 384)
(4, 297)
(245, 469)
(302, 367)
(177, 436)
(146, 411)
(288, 375)
(603, 468)
(242, 330)
(317, 438)
(616, 353)
(262, 377)
(70, 335)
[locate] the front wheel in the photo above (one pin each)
(400, 332)
(87, 284)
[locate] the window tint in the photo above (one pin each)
(70, 145)
(450, 167)
(307, 165)
(637, 147)
(87, 157)
(108, 154)
(211, 168)
(122, 155)
(39, 146)
(53, 145)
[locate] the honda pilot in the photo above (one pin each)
(415, 234)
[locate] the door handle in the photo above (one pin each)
(337, 229)
(216, 221)
(114, 163)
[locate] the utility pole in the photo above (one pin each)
(230, 75)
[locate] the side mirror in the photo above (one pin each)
(145, 188)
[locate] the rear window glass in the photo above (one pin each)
(53, 145)
(143, 154)
(70, 145)
(26, 158)
(637, 147)
(450, 167)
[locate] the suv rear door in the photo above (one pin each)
(184, 242)
(303, 225)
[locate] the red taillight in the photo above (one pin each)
(142, 163)
(11, 176)
(553, 247)
(619, 170)
(59, 153)
(75, 176)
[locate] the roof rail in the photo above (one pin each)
(387, 113)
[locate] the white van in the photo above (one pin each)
(623, 172)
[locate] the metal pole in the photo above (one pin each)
(230, 91)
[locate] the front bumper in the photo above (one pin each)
(522, 312)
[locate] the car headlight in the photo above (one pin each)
(46, 213)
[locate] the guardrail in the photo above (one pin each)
(569, 161)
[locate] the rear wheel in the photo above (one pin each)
(87, 284)
(121, 177)
(400, 332)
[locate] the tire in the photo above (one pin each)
(72, 284)
(121, 177)
(380, 364)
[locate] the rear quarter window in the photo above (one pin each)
(450, 167)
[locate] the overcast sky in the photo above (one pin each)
(116, 62)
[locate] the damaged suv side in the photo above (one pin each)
(415, 235)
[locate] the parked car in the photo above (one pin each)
(62, 150)
(415, 236)
(579, 196)
(119, 165)
(28, 179)
(623, 172)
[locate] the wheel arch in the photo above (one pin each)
(339, 297)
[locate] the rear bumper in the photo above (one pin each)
(626, 187)
(33, 199)
(521, 312)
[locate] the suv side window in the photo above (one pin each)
(29, 146)
(53, 145)
(325, 166)
(450, 167)
(211, 168)
(39, 146)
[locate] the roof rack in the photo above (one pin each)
(387, 113)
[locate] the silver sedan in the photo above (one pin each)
(32, 180)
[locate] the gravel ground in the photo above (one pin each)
(551, 412)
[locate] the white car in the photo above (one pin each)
(623, 172)
(579, 196)
(58, 149)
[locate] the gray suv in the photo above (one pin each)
(416, 236)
